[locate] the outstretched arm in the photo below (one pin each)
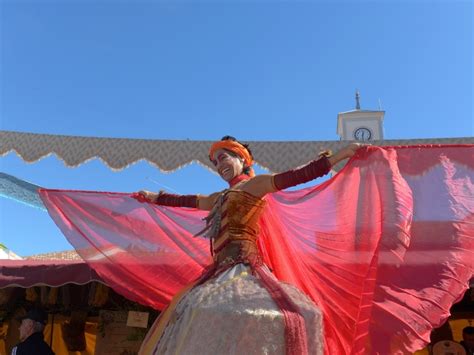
(202, 202)
(263, 184)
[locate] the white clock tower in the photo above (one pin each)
(360, 125)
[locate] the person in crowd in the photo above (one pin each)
(31, 334)
(468, 340)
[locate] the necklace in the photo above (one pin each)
(238, 179)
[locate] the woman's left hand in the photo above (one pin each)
(351, 149)
(346, 152)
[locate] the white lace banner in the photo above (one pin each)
(169, 155)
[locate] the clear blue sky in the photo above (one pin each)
(258, 70)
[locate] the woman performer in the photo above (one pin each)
(239, 306)
(382, 250)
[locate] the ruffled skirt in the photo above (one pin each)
(232, 313)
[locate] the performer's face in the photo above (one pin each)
(228, 164)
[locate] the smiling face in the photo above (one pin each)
(228, 165)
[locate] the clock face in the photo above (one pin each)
(362, 134)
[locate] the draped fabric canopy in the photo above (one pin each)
(384, 248)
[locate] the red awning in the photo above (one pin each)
(27, 273)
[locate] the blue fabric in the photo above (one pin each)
(20, 190)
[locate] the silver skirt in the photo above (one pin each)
(235, 314)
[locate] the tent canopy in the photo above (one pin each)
(54, 273)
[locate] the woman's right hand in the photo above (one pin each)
(145, 196)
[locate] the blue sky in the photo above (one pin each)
(259, 70)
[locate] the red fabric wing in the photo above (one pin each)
(145, 252)
(384, 248)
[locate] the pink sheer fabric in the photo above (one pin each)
(384, 248)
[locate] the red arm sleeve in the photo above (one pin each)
(308, 172)
(173, 200)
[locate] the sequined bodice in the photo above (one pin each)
(236, 240)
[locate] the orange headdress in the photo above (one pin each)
(234, 147)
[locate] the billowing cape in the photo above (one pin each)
(384, 247)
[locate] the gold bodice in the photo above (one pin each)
(239, 228)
